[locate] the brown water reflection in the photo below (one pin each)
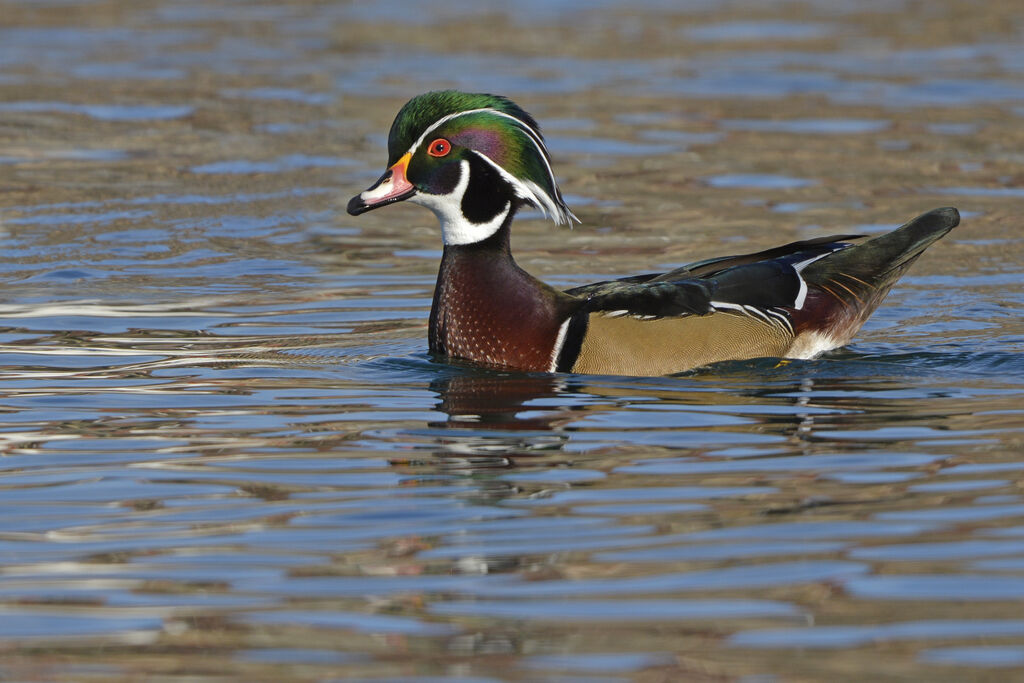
(226, 453)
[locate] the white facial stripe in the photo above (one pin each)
(558, 212)
(529, 191)
(455, 227)
(445, 119)
(541, 199)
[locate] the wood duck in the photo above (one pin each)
(475, 159)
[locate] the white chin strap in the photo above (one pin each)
(456, 228)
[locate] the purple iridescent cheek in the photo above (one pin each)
(488, 142)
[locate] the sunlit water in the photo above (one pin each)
(227, 453)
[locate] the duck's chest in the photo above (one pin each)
(493, 314)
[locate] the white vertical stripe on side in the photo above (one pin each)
(559, 343)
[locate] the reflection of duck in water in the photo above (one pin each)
(493, 401)
(475, 159)
(491, 413)
(491, 425)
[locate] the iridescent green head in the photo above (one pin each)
(471, 158)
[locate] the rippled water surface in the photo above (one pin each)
(226, 453)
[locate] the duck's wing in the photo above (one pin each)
(801, 249)
(646, 299)
(738, 284)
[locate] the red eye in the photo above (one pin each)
(439, 148)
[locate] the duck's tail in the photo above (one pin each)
(880, 261)
(847, 286)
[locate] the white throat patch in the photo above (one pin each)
(455, 227)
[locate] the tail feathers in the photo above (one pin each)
(867, 271)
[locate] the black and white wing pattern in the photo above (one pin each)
(762, 285)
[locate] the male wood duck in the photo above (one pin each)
(475, 159)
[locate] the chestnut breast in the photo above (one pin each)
(487, 309)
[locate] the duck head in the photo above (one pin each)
(472, 159)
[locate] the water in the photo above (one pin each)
(226, 452)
